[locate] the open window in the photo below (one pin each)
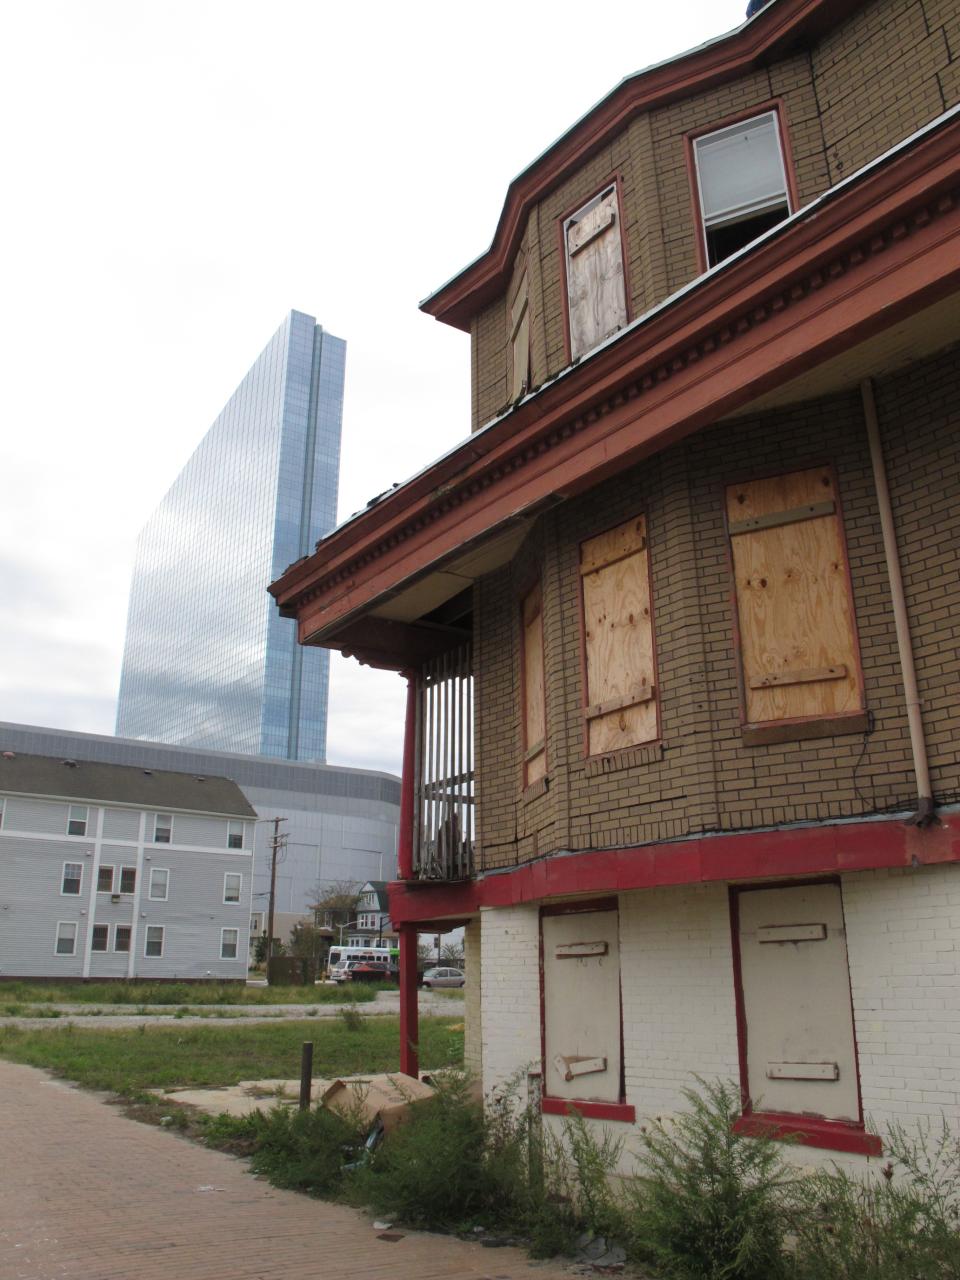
(799, 653)
(742, 186)
(797, 1049)
(582, 1026)
(532, 689)
(593, 256)
(619, 690)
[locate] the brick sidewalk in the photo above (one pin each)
(86, 1193)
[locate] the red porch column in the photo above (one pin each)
(409, 1013)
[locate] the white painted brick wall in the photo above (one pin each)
(509, 991)
(679, 1011)
(903, 943)
(473, 967)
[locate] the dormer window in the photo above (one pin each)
(520, 342)
(741, 184)
(593, 252)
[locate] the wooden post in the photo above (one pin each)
(409, 1029)
(407, 782)
(306, 1074)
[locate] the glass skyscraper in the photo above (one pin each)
(208, 661)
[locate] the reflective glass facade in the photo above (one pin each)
(208, 661)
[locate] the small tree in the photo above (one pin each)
(338, 897)
(308, 943)
(452, 953)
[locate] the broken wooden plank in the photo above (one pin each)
(808, 675)
(643, 694)
(803, 1071)
(792, 933)
(580, 950)
(774, 519)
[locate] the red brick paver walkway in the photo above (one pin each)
(86, 1194)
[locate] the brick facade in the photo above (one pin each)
(701, 776)
(838, 113)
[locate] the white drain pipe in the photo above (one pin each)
(925, 806)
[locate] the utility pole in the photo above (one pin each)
(277, 842)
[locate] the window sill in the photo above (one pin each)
(589, 1110)
(762, 735)
(810, 1131)
(627, 758)
(536, 789)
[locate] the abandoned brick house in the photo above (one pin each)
(679, 619)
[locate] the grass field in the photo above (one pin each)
(176, 993)
(127, 1062)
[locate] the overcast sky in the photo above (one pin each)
(177, 177)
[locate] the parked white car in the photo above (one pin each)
(443, 978)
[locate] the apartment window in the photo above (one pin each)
(232, 884)
(101, 936)
(121, 937)
(105, 879)
(77, 820)
(229, 940)
(72, 877)
(235, 835)
(159, 884)
(66, 938)
(162, 828)
(532, 686)
(741, 184)
(153, 941)
(520, 342)
(799, 655)
(619, 656)
(128, 879)
(582, 1030)
(593, 255)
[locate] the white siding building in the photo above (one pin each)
(114, 871)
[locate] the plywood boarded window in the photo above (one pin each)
(798, 640)
(799, 1050)
(534, 698)
(520, 342)
(596, 292)
(620, 693)
(582, 1034)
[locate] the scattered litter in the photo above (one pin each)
(210, 1187)
(382, 1226)
(390, 1236)
(383, 1098)
(166, 1119)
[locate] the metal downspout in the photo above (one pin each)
(925, 813)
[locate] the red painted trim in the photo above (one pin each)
(810, 1131)
(407, 784)
(409, 1012)
(776, 28)
(617, 180)
(828, 849)
(779, 109)
(880, 250)
(624, 1111)
(582, 904)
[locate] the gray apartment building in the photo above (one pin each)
(341, 823)
(208, 662)
(118, 871)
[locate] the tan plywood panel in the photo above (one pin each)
(581, 1004)
(534, 702)
(618, 639)
(797, 632)
(796, 1001)
(596, 295)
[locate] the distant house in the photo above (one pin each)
(113, 871)
(372, 926)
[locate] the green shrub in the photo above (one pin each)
(902, 1226)
(710, 1204)
(303, 1150)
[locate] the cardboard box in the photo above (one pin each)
(385, 1098)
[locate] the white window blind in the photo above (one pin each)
(740, 169)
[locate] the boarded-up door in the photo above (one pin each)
(581, 1004)
(621, 708)
(797, 634)
(796, 1002)
(596, 295)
